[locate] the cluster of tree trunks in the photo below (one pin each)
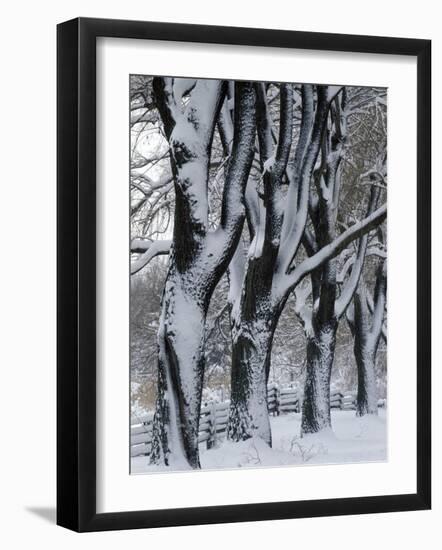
(277, 235)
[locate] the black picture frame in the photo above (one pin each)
(76, 274)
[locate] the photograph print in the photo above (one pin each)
(258, 274)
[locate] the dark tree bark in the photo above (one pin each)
(320, 355)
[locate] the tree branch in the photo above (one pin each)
(349, 287)
(380, 298)
(308, 164)
(148, 251)
(232, 208)
(296, 274)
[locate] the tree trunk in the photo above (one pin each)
(365, 349)
(180, 376)
(198, 257)
(366, 401)
(316, 403)
(251, 351)
(253, 327)
(254, 318)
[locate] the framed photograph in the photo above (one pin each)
(228, 346)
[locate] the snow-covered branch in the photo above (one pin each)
(295, 230)
(370, 304)
(372, 250)
(296, 194)
(333, 91)
(147, 250)
(308, 265)
(302, 309)
(264, 125)
(274, 166)
(380, 298)
(352, 282)
(255, 210)
(225, 128)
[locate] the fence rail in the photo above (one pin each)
(214, 416)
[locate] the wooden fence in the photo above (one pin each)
(214, 416)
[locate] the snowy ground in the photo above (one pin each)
(352, 440)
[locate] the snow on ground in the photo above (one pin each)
(352, 440)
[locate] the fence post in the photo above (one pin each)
(211, 442)
(300, 398)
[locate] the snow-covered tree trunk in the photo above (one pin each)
(316, 402)
(367, 329)
(253, 327)
(198, 256)
(255, 315)
(321, 331)
(250, 371)
(180, 372)
(327, 304)
(365, 355)
(366, 400)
